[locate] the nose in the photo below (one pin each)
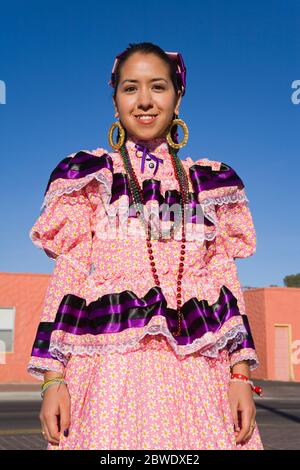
(145, 100)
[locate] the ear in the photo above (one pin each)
(178, 101)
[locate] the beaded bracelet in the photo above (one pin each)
(51, 382)
(244, 378)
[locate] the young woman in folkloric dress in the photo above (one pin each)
(144, 318)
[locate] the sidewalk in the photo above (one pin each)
(20, 392)
(272, 390)
(277, 390)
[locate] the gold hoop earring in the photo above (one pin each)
(178, 122)
(117, 145)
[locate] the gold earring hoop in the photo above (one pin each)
(178, 122)
(117, 145)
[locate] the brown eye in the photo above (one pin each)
(129, 88)
(161, 87)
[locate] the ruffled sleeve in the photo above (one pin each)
(230, 233)
(64, 231)
(236, 228)
(238, 236)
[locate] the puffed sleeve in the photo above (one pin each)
(237, 234)
(64, 231)
(236, 228)
(231, 234)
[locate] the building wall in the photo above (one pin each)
(283, 308)
(267, 307)
(25, 292)
(255, 309)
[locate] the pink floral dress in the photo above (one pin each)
(109, 329)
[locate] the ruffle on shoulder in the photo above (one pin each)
(70, 199)
(216, 183)
(77, 170)
(222, 194)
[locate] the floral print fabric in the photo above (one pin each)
(137, 393)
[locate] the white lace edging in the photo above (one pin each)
(206, 344)
(38, 372)
(226, 199)
(246, 354)
(208, 203)
(76, 187)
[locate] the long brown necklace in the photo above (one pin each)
(138, 201)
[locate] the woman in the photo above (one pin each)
(144, 329)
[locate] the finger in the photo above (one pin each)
(251, 431)
(52, 424)
(251, 425)
(234, 413)
(44, 433)
(246, 420)
(64, 419)
(45, 430)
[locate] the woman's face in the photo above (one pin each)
(145, 88)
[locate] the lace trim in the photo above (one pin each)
(206, 203)
(205, 345)
(38, 372)
(245, 354)
(209, 212)
(76, 187)
(226, 199)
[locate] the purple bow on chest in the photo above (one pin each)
(143, 148)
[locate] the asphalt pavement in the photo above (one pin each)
(278, 416)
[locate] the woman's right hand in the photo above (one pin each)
(55, 412)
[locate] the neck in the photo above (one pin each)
(151, 144)
(142, 151)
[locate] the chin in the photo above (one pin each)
(149, 134)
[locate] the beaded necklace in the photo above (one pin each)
(138, 201)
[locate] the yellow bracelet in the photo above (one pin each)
(51, 382)
(57, 380)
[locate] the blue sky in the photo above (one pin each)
(241, 58)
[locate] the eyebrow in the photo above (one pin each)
(136, 81)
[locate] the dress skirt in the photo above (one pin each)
(150, 398)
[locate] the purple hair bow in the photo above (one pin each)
(143, 148)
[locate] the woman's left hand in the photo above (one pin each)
(243, 410)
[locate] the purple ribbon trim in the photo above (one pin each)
(113, 313)
(152, 192)
(205, 178)
(82, 164)
(202, 177)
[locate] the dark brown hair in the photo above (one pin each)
(145, 48)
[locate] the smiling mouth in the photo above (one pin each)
(146, 118)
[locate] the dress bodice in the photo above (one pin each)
(102, 295)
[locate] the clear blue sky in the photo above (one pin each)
(241, 58)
